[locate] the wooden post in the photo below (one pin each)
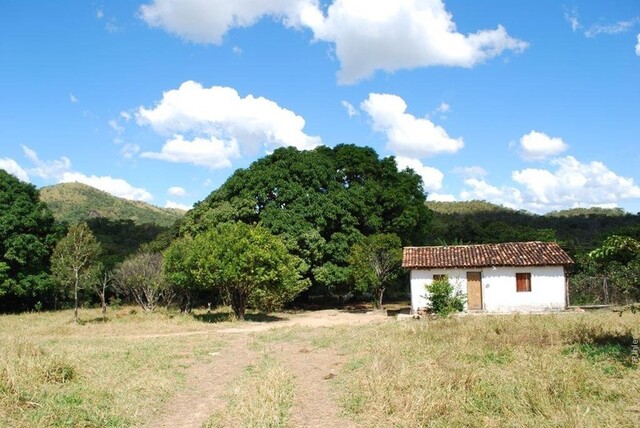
(605, 287)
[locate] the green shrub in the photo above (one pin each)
(443, 299)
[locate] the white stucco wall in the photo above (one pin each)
(499, 288)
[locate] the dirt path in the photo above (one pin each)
(207, 386)
(208, 382)
(314, 404)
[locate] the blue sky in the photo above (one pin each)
(533, 105)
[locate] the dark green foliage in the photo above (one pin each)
(321, 203)
(375, 264)
(443, 299)
(478, 222)
(76, 202)
(27, 238)
(121, 238)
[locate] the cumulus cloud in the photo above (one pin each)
(60, 171)
(403, 34)
(400, 34)
(210, 126)
(207, 21)
(576, 184)
(479, 189)
(406, 134)
(568, 183)
(431, 177)
(114, 186)
(538, 145)
(177, 206)
(351, 110)
(176, 191)
(571, 16)
(443, 108)
(12, 167)
(441, 197)
(113, 124)
(46, 169)
(211, 152)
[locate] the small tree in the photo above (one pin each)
(178, 268)
(443, 299)
(73, 258)
(248, 264)
(142, 278)
(100, 281)
(375, 264)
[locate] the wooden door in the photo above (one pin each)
(474, 291)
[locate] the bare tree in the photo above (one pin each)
(141, 277)
(73, 258)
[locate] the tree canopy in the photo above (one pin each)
(27, 237)
(321, 202)
(246, 263)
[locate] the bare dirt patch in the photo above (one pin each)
(208, 382)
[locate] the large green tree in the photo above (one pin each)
(248, 264)
(73, 261)
(320, 202)
(27, 237)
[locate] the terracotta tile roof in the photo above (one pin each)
(466, 256)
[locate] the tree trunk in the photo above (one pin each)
(75, 298)
(238, 304)
(380, 293)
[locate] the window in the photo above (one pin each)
(523, 282)
(437, 277)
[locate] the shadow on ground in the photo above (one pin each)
(225, 316)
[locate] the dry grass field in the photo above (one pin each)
(328, 368)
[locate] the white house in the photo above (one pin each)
(509, 277)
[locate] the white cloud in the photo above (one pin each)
(569, 184)
(470, 171)
(203, 21)
(351, 110)
(177, 206)
(221, 125)
(400, 34)
(12, 167)
(237, 50)
(443, 108)
(478, 189)
(571, 16)
(73, 98)
(129, 150)
(618, 27)
(638, 46)
(99, 14)
(538, 145)
(212, 153)
(431, 177)
(115, 186)
(46, 169)
(125, 115)
(113, 124)
(576, 184)
(176, 191)
(441, 197)
(407, 135)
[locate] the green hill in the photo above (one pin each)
(76, 202)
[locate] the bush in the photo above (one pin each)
(443, 299)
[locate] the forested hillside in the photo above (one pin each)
(77, 202)
(475, 222)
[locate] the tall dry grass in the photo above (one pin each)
(527, 370)
(96, 374)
